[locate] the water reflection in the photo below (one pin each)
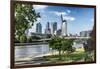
(31, 50)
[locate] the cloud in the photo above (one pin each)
(63, 13)
(59, 13)
(92, 20)
(38, 19)
(69, 18)
(38, 7)
(68, 11)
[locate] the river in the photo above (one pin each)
(31, 51)
(34, 50)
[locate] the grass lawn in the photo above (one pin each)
(77, 56)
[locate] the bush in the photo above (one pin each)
(29, 39)
(23, 38)
(89, 56)
(36, 37)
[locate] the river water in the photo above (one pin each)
(31, 50)
(34, 50)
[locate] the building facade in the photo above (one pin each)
(38, 28)
(47, 29)
(53, 28)
(85, 33)
(63, 27)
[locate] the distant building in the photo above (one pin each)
(63, 26)
(77, 45)
(54, 28)
(59, 32)
(64, 29)
(48, 30)
(40, 35)
(85, 33)
(38, 28)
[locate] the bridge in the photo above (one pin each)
(47, 39)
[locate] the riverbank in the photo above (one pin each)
(29, 58)
(52, 57)
(25, 44)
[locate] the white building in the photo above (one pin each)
(64, 28)
(85, 33)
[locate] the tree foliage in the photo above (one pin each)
(25, 16)
(55, 44)
(61, 44)
(67, 45)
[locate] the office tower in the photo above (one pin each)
(63, 26)
(53, 28)
(59, 32)
(48, 30)
(64, 29)
(38, 28)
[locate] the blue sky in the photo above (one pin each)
(78, 18)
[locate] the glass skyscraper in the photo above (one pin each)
(48, 30)
(54, 28)
(63, 26)
(38, 28)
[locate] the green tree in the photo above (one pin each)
(67, 45)
(23, 38)
(55, 44)
(25, 16)
(61, 45)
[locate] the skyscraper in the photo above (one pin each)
(63, 26)
(54, 28)
(48, 30)
(38, 28)
(59, 32)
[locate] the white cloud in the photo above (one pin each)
(69, 18)
(59, 13)
(63, 13)
(38, 7)
(92, 20)
(68, 11)
(38, 19)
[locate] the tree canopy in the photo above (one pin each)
(25, 16)
(61, 45)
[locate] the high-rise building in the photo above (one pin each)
(64, 29)
(48, 30)
(63, 26)
(38, 28)
(54, 28)
(59, 32)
